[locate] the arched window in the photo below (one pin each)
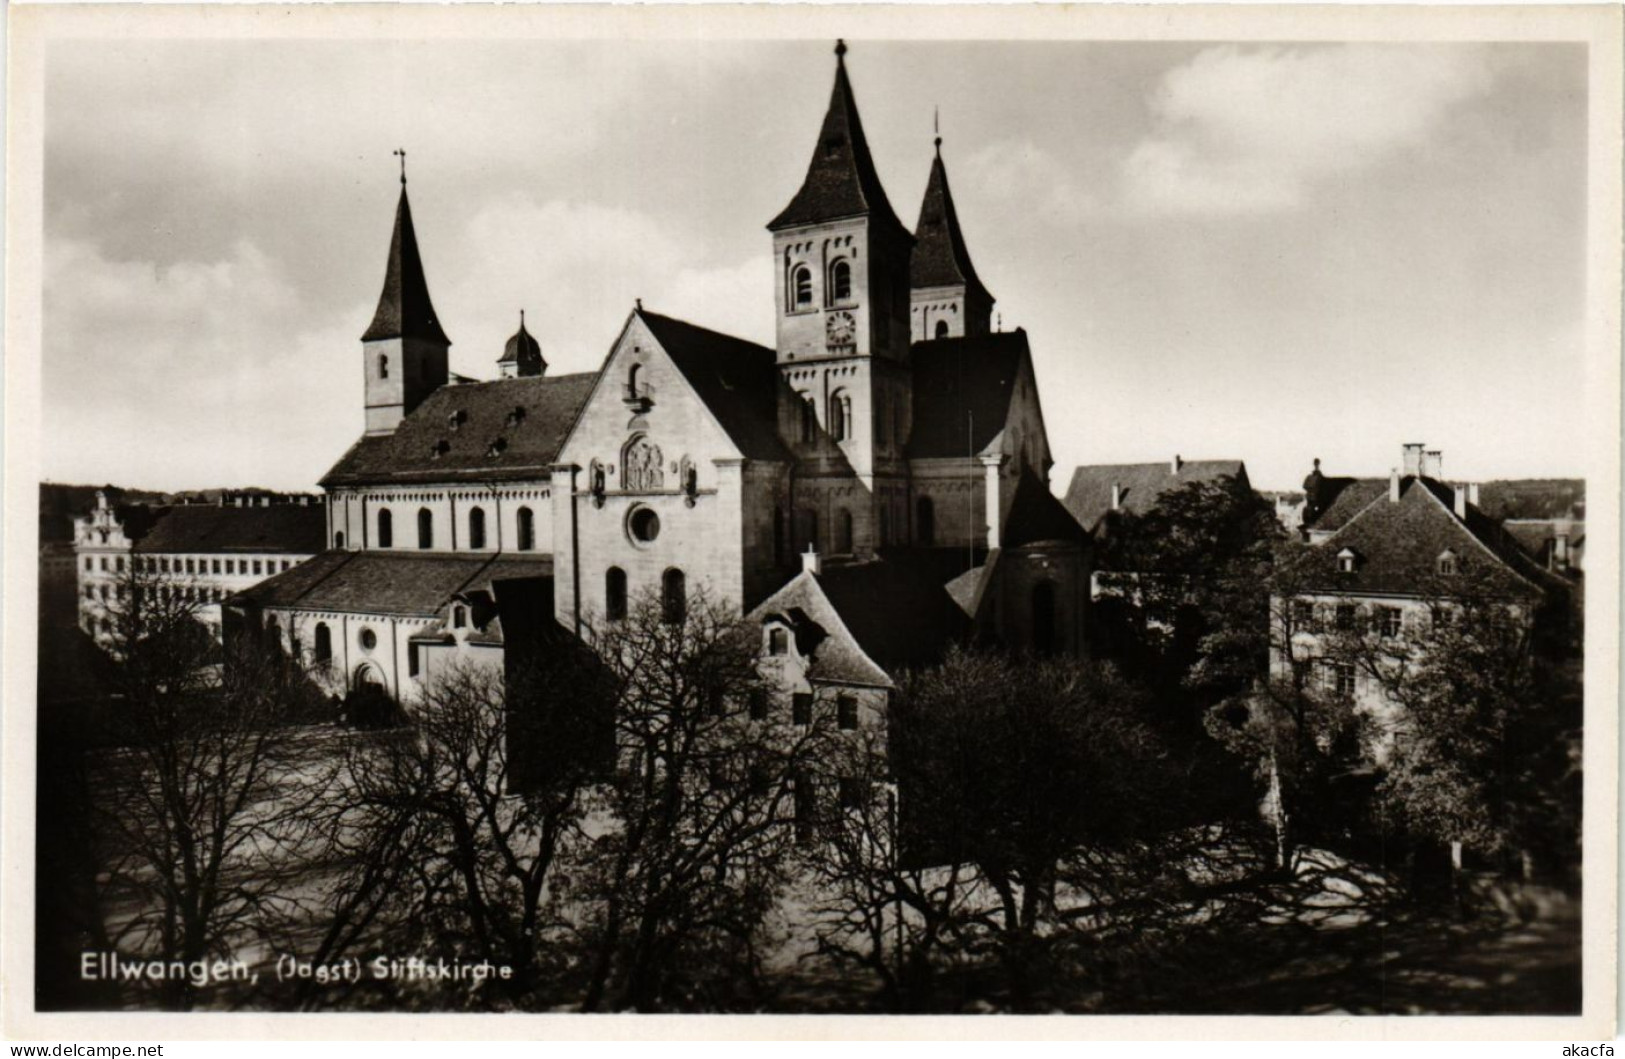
(806, 529)
(338, 539)
(925, 520)
(425, 528)
(778, 640)
(809, 419)
(942, 329)
(324, 644)
(459, 617)
(801, 285)
(527, 530)
(840, 280)
(673, 597)
(476, 527)
(632, 381)
(840, 415)
(843, 532)
(615, 594)
(273, 635)
(1044, 617)
(383, 367)
(386, 529)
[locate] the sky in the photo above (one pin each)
(1267, 252)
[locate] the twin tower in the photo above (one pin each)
(853, 284)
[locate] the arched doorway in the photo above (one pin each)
(368, 704)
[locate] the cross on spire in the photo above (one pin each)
(936, 126)
(400, 152)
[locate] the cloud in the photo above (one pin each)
(1035, 182)
(1248, 130)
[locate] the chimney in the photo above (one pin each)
(1412, 464)
(1117, 496)
(1433, 463)
(1393, 486)
(1461, 501)
(810, 561)
(1472, 493)
(1178, 462)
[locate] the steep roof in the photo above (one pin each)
(844, 619)
(941, 258)
(291, 528)
(404, 309)
(1343, 498)
(1397, 545)
(841, 179)
(1140, 485)
(962, 389)
(454, 434)
(1035, 515)
(522, 345)
(737, 380)
(403, 583)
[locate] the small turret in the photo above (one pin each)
(522, 356)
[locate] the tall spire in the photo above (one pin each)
(841, 180)
(941, 258)
(404, 309)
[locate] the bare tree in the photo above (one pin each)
(698, 823)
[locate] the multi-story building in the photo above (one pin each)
(201, 552)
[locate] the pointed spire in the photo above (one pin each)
(404, 309)
(841, 179)
(941, 258)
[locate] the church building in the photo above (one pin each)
(887, 456)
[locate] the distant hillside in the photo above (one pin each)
(1534, 498)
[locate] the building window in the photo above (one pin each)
(840, 415)
(527, 530)
(284, 566)
(758, 704)
(214, 566)
(1448, 563)
(1303, 614)
(615, 593)
(118, 564)
(425, 528)
(383, 367)
(338, 539)
(840, 280)
(809, 419)
(103, 562)
(231, 566)
(476, 528)
(778, 640)
(386, 529)
(259, 568)
(643, 525)
(1300, 672)
(1337, 678)
(459, 618)
(90, 591)
(846, 713)
(1347, 561)
(368, 639)
(324, 644)
(632, 373)
(1390, 620)
(925, 520)
(411, 659)
(190, 567)
(90, 564)
(673, 597)
(1345, 616)
(850, 792)
(942, 329)
(801, 708)
(801, 285)
(843, 532)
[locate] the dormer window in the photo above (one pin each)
(1448, 563)
(459, 618)
(497, 448)
(456, 419)
(516, 416)
(778, 640)
(441, 447)
(1348, 560)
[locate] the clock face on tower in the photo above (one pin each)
(840, 330)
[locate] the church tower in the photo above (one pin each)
(522, 356)
(404, 350)
(842, 259)
(947, 299)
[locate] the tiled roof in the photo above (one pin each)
(737, 380)
(841, 178)
(283, 528)
(472, 432)
(379, 582)
(1397, 546)
(1343, 498)
(1530, 498)
(1036, 515)
(1140, 485)
(940, 257)
(404, 309)
(1535, 536)
(962, 389)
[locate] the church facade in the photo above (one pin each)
(892, 443)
